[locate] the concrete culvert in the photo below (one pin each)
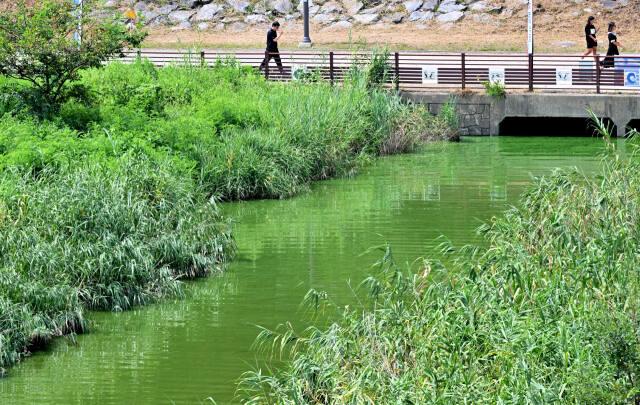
(551, 126)
(633, 125)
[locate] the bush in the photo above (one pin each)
(38, 45)
(496, 89)
(415, 126)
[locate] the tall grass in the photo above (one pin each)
(239, 136)
(97, 237)
(109, 200)
(547, 313)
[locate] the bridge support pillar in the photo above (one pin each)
(621, 125)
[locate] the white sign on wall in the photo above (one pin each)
(429, 75)
(496, 75)
(564, 76)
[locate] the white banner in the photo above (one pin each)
(297, 71)
(564, 76)
(429, 75)
(496, 75)
(586, 64)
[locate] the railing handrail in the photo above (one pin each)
(433, 69)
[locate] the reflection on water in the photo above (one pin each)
(183, 351)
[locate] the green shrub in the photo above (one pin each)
(496, 89)
(79, 116)
(38, 44)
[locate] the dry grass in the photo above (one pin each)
(554, 22)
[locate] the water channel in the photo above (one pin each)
(183, 351)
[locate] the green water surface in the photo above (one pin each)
(183, 351)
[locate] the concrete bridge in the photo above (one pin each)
(536, 114)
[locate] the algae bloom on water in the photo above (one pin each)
(546, 313)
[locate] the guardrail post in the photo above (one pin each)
(201, 59)
(598, 74)
(396, 57)
(463, 63)
(531, 72)
(266, 65)
(331, 67)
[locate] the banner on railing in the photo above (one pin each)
(632, 77)
(298, 71)
(564, 76)
(496, 75)
(429, 75)
(586, 64)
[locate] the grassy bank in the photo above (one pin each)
(109, 200)
(547, 313)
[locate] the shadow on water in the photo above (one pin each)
(543, 126)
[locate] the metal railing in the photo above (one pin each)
(420, 71)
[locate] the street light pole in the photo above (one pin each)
(306, 41)
(530, 28)
(77, 36)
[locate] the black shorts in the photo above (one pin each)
(591, 43)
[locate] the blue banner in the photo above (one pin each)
(632, 77)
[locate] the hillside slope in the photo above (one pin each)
(413, 24)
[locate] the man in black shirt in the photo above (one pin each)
(272, 47)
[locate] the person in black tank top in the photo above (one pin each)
(590, 32)
(613, 51)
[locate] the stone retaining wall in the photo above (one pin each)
(474, 116)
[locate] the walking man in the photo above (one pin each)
(272, 47)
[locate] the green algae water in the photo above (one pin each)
(184, 351)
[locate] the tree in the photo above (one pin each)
(37, 43)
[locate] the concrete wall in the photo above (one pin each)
(482, 115)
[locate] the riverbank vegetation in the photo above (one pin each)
(546, 313)
(108, 196)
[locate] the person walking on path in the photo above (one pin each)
(609, 61)
(272, 47)
(590, 32)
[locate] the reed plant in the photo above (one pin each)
(547, 313)
(97, 237)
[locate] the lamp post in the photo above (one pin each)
(530, 28)
(306, 41)
(530, 43)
